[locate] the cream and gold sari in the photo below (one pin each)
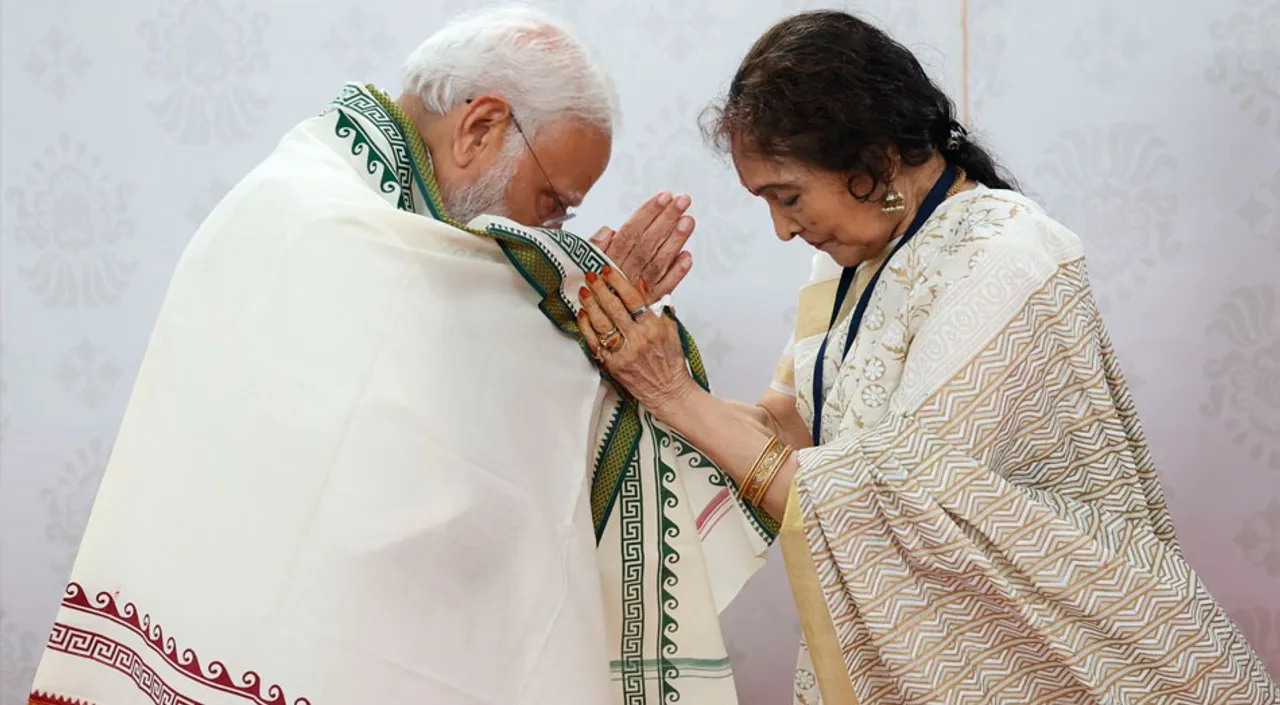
(983, 522)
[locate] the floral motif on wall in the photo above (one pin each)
(1244, 377)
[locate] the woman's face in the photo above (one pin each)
(816, 206)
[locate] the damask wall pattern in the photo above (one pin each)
(1158, 141)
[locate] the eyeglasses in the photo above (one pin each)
(566, 210)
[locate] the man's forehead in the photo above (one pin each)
(571, 136)
(575, 155)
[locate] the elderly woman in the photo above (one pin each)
(969, 511)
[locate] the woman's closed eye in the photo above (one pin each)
(790, 200)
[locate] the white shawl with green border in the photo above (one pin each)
(358, 465)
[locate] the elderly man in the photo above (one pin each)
(366, 459)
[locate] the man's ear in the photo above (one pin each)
(480, 129)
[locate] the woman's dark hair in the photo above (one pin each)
(830, 89)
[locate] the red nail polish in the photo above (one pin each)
(584, 292)
(607, 270)
(591, 277)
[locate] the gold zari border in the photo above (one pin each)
(815, 618)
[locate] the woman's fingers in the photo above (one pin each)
(630, 297)
(597, 317)
(608, 301)
(589, 333)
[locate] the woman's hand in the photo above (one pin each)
(640, 349)
(649, 246)
(643, 353)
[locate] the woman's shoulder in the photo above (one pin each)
(999, 220)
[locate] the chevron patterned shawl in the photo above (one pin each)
(983, 522)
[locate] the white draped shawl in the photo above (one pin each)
(361, 465)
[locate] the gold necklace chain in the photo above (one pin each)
(959, 182)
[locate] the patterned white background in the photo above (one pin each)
(1151, 126)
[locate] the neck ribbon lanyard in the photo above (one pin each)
(935, 197)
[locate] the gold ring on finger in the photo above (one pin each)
(612, 340)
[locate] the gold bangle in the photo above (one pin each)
(767, 477)
(764, 471)
(748, 486)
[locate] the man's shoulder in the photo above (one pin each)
(305, 175)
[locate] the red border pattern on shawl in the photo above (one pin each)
(112, 654)
(39, 698)
(213, 674)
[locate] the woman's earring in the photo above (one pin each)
(892, 201)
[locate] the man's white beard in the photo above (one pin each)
(488, 195)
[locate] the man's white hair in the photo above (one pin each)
(523, 55)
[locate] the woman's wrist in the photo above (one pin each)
(768, 420)
(671, 404)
